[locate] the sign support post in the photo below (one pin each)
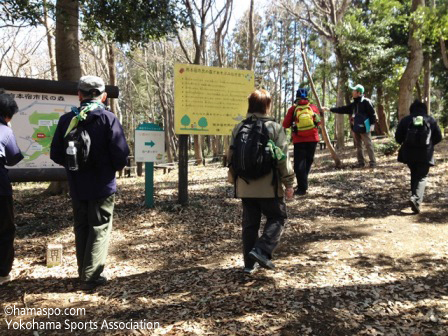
(149, 184)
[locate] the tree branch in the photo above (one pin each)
(321, 9)
(183, 48)
(341, 11)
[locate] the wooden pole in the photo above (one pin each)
(333, 153)
(183, 169)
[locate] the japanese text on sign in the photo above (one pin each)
(210, 100)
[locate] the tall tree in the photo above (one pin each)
(67, 40)
(67, 56)
(414, 67)
(251, 36)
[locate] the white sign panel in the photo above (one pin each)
(149, 143)
(34, 125)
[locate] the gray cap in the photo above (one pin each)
(89, 83)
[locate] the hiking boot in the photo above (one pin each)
(414, 206)
(250, 270)
(372, 165)
(264, 261)
(5, 279)
(92, 284)
(359, 165)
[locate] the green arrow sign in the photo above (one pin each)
(151, 143)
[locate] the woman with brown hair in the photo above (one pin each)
(259, 168)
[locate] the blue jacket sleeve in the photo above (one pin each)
(57, 146)
(13, 155)
(118, 147)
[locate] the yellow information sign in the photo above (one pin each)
(210, 100)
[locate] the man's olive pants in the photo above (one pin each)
(93, 225)
(367, 139)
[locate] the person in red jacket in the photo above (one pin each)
(303, 118)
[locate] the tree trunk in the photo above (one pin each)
(444, 52)
(198, 149)
(250, 66)
(414, 67)
(387, 108)
(324, 76)
(50, 36)
(339, 118)
(67, 57)
(418, 90)
(67, 40)
(280, 76)
(427, 81)
(112, 80)
(383, 128)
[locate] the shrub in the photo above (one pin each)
(387, 148)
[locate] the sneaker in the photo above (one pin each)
(250, 270)
(257, 255)
(5, 279)
(414, 206)
(300, 192)
(92, 284)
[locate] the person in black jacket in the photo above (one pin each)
(418, 157)
(10, 155)
(92, 188)
(362, 121)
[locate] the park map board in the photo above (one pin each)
(35, 123)
(210, 100)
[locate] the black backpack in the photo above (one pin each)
(252, 158)
(418, 135)
(82, 142)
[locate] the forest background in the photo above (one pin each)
(396, 49)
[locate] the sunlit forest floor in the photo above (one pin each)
(353, 259)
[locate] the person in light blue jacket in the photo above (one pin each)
(10, 155)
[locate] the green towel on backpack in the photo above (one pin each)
(81, 114)
(277, 153)
(418, 121)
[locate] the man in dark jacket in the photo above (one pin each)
(10, 155)
(362, 121)
(92, 188)
(417, 154)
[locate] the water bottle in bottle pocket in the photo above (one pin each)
(72, 160)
